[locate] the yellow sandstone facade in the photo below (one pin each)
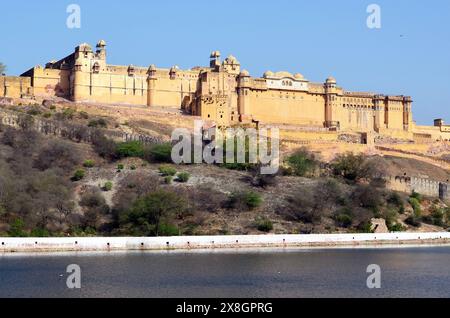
(220, 92)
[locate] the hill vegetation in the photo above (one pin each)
(55, 187)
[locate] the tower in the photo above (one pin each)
(231, 65)
(101, 50)
(331, 103)
(379, 116)
(407, 113)
(151, 84)
(244, 96)
(83, 68)
(215, 60)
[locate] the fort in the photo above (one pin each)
(225, 94)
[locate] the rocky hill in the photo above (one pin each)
(51, 185)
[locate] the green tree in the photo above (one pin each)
(351, 167)
(302, 163)
(159, 153)
(148, 212)
(244, 200)
(17, 229)
(130, 149)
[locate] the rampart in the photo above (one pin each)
(78, 133)
(424, 186)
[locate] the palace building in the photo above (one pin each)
(222, 92)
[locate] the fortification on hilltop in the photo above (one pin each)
(223, 93)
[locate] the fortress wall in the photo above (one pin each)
(287, 107)
(400, 184)
(423, 186)
(85, 76)
(397, 133)
(110, 88)
(15, 87)
(175, 92)
(434, 133)
(215, 108)
(354, 112)
(328, 136)
(355, 119)
(51, 82)
(394, 115)
(79, 133)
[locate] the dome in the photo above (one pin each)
(231, 60)
(174, 69)
(101, 43)
(268, 74)
(331, 79)
(152, 68)
(84, 47)
(298, 76)
(215, 54)
(283, 74)
(244, 73)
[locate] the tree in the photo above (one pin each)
(158, 153)
(148, 211)
(130, 149)
(2, 68)
(302, 163)
(104, 147)
(244, 200)
(57, 154)
(351, 167)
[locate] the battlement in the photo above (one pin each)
(424, 186)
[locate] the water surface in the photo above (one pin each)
(406, 272)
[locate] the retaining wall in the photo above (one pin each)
(211, 242)
(70, 131)
(423, 186)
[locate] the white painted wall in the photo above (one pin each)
(186, 242)
(287, 84)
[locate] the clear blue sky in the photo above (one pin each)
(409, 55)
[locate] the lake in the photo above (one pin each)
(405, 272)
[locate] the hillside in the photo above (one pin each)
(55, 186)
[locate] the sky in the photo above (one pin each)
(408, 55)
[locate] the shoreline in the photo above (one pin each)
(195, 243)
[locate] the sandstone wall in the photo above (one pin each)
(15, 87)
(427, 187)
(73, 132)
